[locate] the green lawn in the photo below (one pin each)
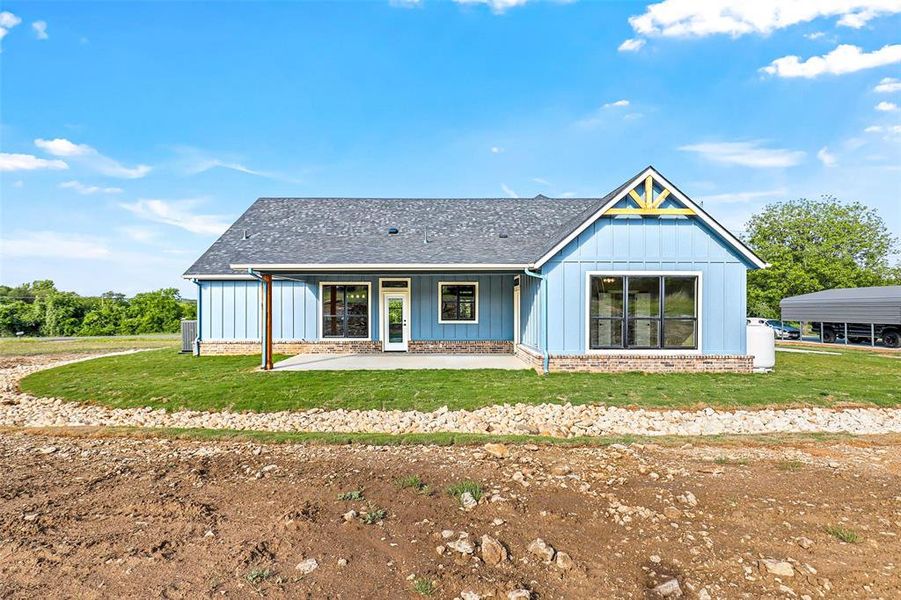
(28, 346)
(169, 380)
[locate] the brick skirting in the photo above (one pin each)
(646, 363)
(227, 347)
(460, 347)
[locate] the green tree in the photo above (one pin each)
(817, 245)
(106, 316)
(154, 312)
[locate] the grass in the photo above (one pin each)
(458, 489)
(166, 379)
(789, 465)
(424, 586)
(849, 536)
(412, 481)
(29, 346)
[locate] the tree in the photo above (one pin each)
(154, 312)
(817, 245)
(107, 315)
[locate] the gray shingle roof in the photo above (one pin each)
(355, 231)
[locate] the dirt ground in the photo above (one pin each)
(97, 517)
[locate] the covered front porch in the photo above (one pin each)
(390, 361)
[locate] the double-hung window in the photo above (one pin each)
(643, 312)
(458, 302)
(345, 310)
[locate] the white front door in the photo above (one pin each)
(396, 319)
(516, 322)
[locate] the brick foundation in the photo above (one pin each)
(227, 347)
(646, 363)
(460, 347)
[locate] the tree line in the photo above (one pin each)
(40, 309)
(815, 245)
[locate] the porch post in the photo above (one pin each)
(267, 329)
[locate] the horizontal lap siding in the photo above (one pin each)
(230, 310)
(648, 245)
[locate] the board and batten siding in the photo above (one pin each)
(642, 244)
(230, 309)
(530, 311)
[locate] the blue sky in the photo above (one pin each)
(132, 134)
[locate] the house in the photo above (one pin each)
(642, 279)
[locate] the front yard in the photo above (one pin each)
(165, 379)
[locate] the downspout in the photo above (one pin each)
(545, 362)
(259, 278)
(199, 317)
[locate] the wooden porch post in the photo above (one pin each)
(267, 332)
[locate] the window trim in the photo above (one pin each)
(368, 337)
(475, 320)
(699, 307)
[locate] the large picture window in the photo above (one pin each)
(643, 312)
(345, 310)
(458, 302)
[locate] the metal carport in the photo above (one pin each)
(872, 306)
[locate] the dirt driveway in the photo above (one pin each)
(154, 518)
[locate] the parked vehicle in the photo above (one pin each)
(859, 333)
(782, 331)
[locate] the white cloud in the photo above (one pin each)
(746, 154)
(496, 6)
(193, 161)
(28, 162)
(888, 85)
(91, 158)
(827, 158)
(843, 59)
(699, 18)
(741, 197)
(18, 183)
(496, 149)
(886, 106)
(40, 30)
(7, 21)
(508, 191)
(815, 35)
(140, 234)
(541, 181)
(51, 244)
(894, 129)
(87, 190)
(405, 3)
(617, 103)
(631, 45)
(178, 214)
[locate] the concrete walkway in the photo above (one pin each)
(388, 361)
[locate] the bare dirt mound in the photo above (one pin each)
(101, 518)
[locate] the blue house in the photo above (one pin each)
(642, 279)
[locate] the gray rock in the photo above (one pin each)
(542, 549)
(463, 546)
(564, 561)
(669, 589)
(779, 568)
(307, 566)
(467, 501)
(520, 594)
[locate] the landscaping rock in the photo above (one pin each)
(493, 552)
(463, 546)
(497, 450)
(542, 550)
(520, 594)
(467, 501)
(779, 568)
(564, 561)
(669, 589)
(307, 566)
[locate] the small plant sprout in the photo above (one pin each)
(849, 536)
(257, 576)
(351, 495)
(373, 515)
(790, 465)
(424, 586)
(411, 481)
(458, 489)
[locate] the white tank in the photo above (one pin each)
(762, 346)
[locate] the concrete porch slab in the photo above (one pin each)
(389, 361)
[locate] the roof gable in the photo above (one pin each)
(650, 194)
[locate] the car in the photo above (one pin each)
(782, 331)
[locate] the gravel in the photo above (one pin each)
(558, 420)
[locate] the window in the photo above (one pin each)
(643, 312)
(345, 310)
(458, 302)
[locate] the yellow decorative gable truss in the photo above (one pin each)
(649, 196)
